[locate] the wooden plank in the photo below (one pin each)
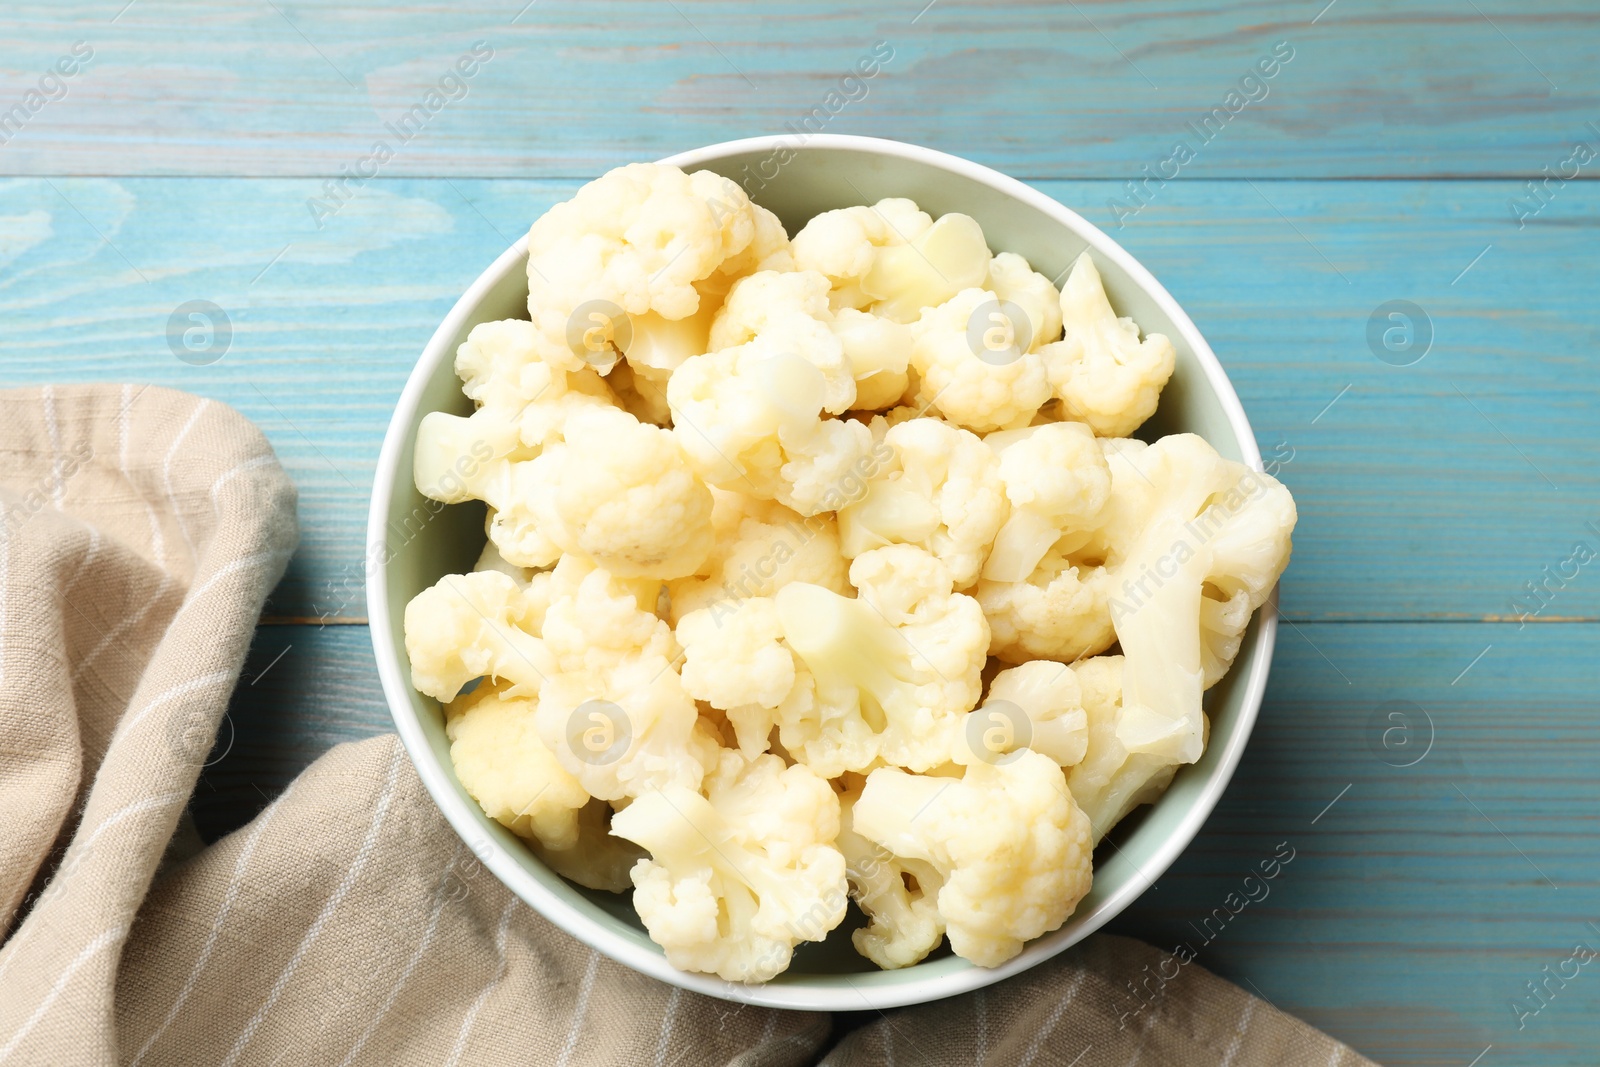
(1415, 907)
(303, 690)
(1096, 89)
(1429, 491)
(1420, 903)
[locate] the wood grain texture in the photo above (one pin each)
(1421, 902)
(179, 163)
(1430, 491)
(1099, 88)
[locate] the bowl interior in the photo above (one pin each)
(426, 540)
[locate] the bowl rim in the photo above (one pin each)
(839, 993)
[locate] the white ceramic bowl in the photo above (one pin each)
(412, 543)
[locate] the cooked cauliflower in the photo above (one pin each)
(621, 493)
(844, 244)
(1059, 611)
(760, 546)
(863, 357)
(955, 381)
(490, 559)
(636, 240)
(735, 660)
(1190, 520)
(1011, 846)
(750, 420)
(768, 250)
(1248, 555)
(612, 708)
(927, 269)
(1056, 481)
(522, 405)
(478, 625)
(1102, 373)
(596, 859)
(890, 673)
(657, 345)
(941, 491)
(1013, 281)
(898, 894)
(1038, 706)
(1062, 608)
(767, 518)
(791, 310)
(500, 760)
(740, 875)
(1109, 781)
(879, 351)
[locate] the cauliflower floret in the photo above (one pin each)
(879, 351)
(899, 895)
(613, 709)
(1081, 502)
(476, 625)
(596, 858)
(657, 346)
(1102, 373)
(888, 675)
(523, 403)
(1011, 846)
(1057, 481)
(1248, 555)
(736, 878)
(1148, 543)
(892, 257)
(956, 380)
(792, 309)
(941, 491)
(490, 559)
(621, 494)
(1037, 706)
(863, 357)
(1060, 611)
(927, 269)
(510, 523)
(1109, 782)
(735, 660)
(1013, 281)
(634, 240)
(524, 406)
(510, 773)
(1191, 520)
(750, 419)
(760, 546)
(768, 250)
(843, 244)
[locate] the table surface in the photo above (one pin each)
(1387, 159)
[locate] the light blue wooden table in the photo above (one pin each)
(1386, 160)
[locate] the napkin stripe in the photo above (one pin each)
(87, 953)
(158, 541)
(229, 897)
(166, 472)
(439, 901)
(580, 1010)
(471, 1017)
(1241, 1027)
(345, 884)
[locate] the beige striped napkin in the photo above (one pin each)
(347, 924)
